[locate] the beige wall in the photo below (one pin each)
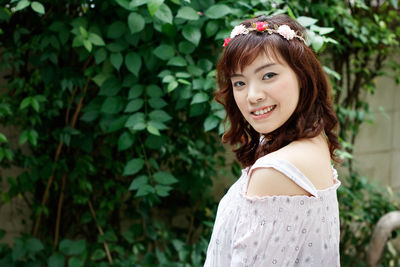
(377, 147)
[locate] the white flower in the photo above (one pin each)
(239, 29)
(286, 32)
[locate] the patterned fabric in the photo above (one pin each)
(276, 230)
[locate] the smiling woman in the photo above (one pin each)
(283, 210)
(266, 94)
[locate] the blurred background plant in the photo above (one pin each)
(119, 137)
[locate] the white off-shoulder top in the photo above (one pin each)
(276, 230)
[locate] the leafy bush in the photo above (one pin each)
(113, 100)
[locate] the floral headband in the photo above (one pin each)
(261, 26)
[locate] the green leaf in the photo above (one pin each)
(144, 190)
(21, 5)
(110, 87)
(25, 103)
(96, 39)
(23, 137)
(35, 104)
(192, 34)
(56, 260)
(100, 55)
(133, 62)
(70, 247)
(199, 98)
(164, 52)
(133, 166)
(172, 86)
(332, 73)
(188, 13)
(210, 123)
(98, 254)
(83, 32)
(136, 3)
(135, 22)
(177, 61)
(88, 45)
(211, 28)
(157, 102)
(116, 30)
(75, 262)
(164, 178)
(153, 90)
(19, 250)
(3, 138)
(134, 105)
(217, 11)
(162, 190)
(125, 141)
(37, 7)
(325, 30)
(125, 4)
(317, 43)
(158, 125)
(186, 47)
(153, 5)
(135, 91)
(164, 14)
(136, 121)
(138, 182)
(34, 245)
(116, 60)
(306, 21)
(112, 105)
(159, 115)
(153, 130)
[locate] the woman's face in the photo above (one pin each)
(266, 92)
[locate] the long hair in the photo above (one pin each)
(314, 113)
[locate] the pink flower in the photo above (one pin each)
(261, 26)
(239, 29)
(286, 32)
(226, 41)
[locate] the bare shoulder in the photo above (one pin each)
(310, 156)
(270, 182)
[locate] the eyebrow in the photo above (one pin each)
(256, 70)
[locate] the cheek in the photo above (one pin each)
(240, 101)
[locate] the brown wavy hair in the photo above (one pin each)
(314, 112)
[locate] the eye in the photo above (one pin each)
(238, 84)
(269, 75)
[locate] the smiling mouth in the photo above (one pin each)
(263, 111)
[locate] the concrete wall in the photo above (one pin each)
(377, 147)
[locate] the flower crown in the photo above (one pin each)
(261, 26)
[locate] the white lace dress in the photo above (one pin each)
(276, 230)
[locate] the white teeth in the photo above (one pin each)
(263, 111)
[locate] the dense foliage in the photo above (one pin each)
(119, 139)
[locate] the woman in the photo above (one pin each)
(283, 210)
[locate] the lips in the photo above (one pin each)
(263, 111)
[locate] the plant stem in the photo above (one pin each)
(92, 211)
(59, 208)
(60, 145)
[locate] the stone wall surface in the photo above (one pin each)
(377, 147)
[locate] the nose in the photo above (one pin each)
(255, 94)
